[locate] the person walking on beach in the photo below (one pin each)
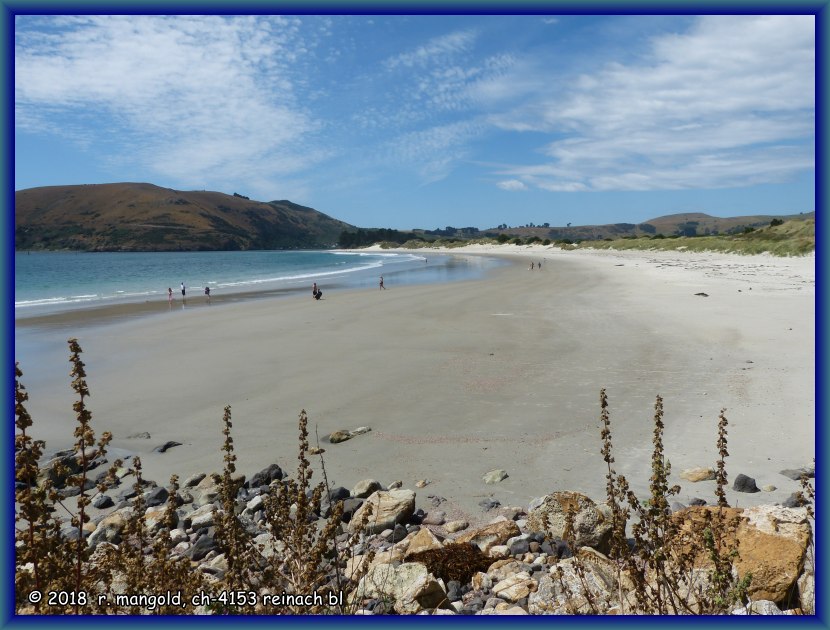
(207, 293)
(170, 296)
(314, 290)
(317, 293)
(381, 283)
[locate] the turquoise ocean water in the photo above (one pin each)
(47, 282)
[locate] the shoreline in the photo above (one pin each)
(461, 378)
(67, 316)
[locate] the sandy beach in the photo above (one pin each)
(462, 378)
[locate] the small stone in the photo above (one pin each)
(456, 526)
(139, 436)
(499, 552)
(769, 488)
(156, 496)
(203, 517)
(395, 485)
(339, 436)
(350, 506)
(166, 446)
(698, 474)
(759, 607)
(434, 517)
(453, 590)
(424, 540)
(796, 473)
(744, 484)
(519, 547)
(422, 483)
(362, 489)
(796, 499)
(193, 480)
(103, 501)
(201, 548)
(265, 476)
(489, 504)
(494, 476)
(254, 504)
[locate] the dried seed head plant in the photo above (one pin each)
(33, 520)
(303, 565)
(661, 565)
(231, 536)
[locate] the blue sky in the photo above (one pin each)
(429, 121)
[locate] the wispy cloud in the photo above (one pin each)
(436, 50)
(730, 103)
(200, 96)
(433, 152)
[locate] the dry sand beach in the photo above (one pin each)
(462, 378)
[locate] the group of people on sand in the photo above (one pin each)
(535, 265)
(184, 295)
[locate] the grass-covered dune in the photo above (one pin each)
(791, 238)
(788, 238)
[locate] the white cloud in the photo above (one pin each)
(715, 107)
(511, 185)
(195, 97)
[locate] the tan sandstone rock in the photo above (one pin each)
(771, 541)
(422, 541)
(489, 535)
(410, 585)
(389, 507)
(515, 587)
(698, 474)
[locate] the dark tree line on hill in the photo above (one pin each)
(362, 237)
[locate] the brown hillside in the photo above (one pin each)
(144, 217)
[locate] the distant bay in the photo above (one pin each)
(50, 282)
